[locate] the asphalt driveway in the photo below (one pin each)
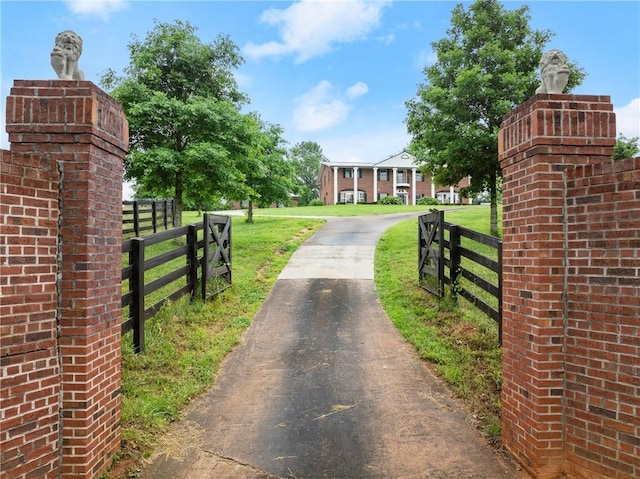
(323, 386)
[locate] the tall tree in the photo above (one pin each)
(268, 176)
(306, 157)
(183, 107)
(486, 65)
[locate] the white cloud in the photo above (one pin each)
(310, 28)
(628, 119)
(320, 108)
(96, 8)
(357, 89)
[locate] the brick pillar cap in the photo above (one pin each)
(562, 123)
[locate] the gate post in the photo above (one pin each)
(537, 142)
(84, 134)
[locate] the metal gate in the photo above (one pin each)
(431, 252)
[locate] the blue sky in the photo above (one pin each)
(334, 72)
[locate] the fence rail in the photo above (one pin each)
(207, 263)
(139, 216)
(473, 261)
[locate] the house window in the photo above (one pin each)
(419, 177)
(348, 172)
(383, 175)
(346, 196)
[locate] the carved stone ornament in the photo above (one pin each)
(554, 72)
(65, 56)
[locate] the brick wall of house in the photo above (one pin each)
(79, 137)
(423, 188)
(570, 295)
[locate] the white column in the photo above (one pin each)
(451, 195)
(375, 185)
(355, 185)
(335, 185)
(413, 186)
(395, 182)
(433, 190)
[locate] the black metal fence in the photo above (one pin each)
(192, 260)
(468, 261)
(140, 216)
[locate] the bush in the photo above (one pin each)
(390, 200)
(316, 202)
(427, 200)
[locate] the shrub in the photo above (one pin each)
(316, 202)
(390, 200)
(427, 200)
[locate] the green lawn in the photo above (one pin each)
(347, 210)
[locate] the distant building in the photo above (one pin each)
(368, 182)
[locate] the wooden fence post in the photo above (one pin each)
(205, 255)
(154, 212)
(136, 219)
(454, 257)
(230, 250)
(500, 293)
(192, 259)
(136, 286)
(165, 214)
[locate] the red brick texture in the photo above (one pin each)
(29, 384)
(79, 137)
(603, 324)
(571, 303)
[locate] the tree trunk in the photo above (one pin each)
(178, 192)
(250, 212)
(493, 191)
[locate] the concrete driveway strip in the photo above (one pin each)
(323, 386)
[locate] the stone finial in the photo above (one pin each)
(554, 72)
(65, 56)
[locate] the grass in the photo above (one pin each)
(185, 342)
(460, 340)
(475, 218)
(345, 210)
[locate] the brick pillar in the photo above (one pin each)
(537, 142)
(82, 130)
